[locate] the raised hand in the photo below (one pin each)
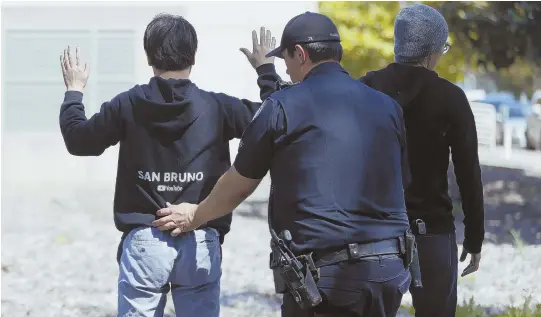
(261, 47)
(75, 73)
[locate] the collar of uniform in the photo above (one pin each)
(325, 68)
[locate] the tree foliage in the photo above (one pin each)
(505, 37)
(367, 31)
(502, 32)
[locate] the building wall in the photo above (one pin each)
(110, 36)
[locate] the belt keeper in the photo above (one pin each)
(353, 249)
(420, 226)
(402, 245)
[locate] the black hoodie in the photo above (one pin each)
(174, 142)
(438, 118)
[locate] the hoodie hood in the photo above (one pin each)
(164, 107)
(402, 82)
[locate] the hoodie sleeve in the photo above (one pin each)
(463, 141)
(89, 137)
(239, 112)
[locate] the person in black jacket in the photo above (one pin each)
(438, 117)
(174, 145)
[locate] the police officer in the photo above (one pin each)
(336, 153)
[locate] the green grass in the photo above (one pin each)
(524, 311)
(517, 240)
(471, 309)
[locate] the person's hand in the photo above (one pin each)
(180, 218)
(260, 48)
(74, 72)
(474, 262)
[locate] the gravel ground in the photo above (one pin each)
(58, 259)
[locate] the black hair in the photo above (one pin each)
(320, 51)
(170, 42)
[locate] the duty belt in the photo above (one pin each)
(361, 251)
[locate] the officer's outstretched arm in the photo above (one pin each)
(230, 191)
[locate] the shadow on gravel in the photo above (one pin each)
(253, 209)
(270, 301)
(167, 314)
(512, 206)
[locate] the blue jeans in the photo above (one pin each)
(438, 259)
(367, 288)
(153, 262)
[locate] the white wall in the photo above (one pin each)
(34, 154)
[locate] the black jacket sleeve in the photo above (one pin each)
(89, 137)
(256, 149)
(239, 112)
(406, 173)
(463, 141)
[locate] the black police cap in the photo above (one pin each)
(308, 27)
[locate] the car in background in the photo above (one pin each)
(533, 127)
(536, 96)
(511, 116)
(475, 94)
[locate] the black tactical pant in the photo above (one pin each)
(367, 288)
(438, 259)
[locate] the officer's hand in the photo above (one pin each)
(74, 71)
(260, 48)
(180, 218)
(474, 262)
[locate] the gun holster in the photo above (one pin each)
(295, 275)
(275, 264)
(411, 259)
